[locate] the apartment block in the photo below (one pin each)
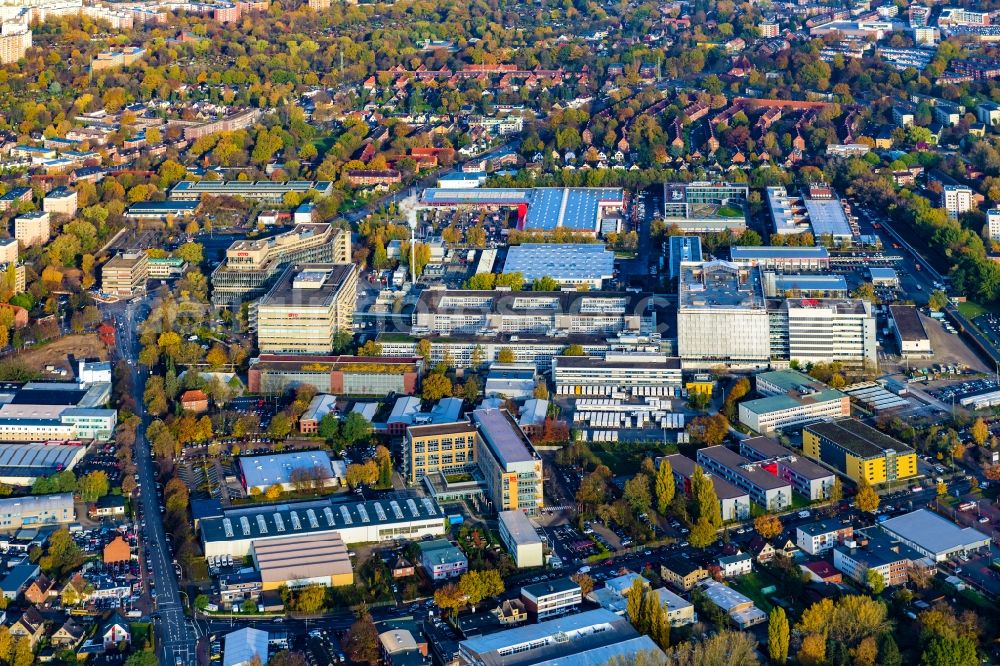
(551, 598)
(32, 228)
(874, 550)
(859, 451)
(15, 35)
(734, 503)
(819, 537)
(306, 308)
(448, 448)
(764, 488)
(807, 478)
(511, 467)
(60, 201)
(232, 123)
(956, 199)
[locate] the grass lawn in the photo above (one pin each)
(751, 585)
(626, 458)
(729, 211)
(971, 310)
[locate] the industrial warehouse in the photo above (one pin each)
(236, 531)
(21, 464)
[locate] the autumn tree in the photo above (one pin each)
(585, 582)
(436, 386)
(768, 526)
(478, 585)
(665, 486)
(449, 598)
(505, 355)
(980, 431)
(361, 643)
(867, 499)
(636, 493)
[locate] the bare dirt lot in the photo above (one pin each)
(57, 353)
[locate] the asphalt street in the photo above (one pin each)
(176, 636)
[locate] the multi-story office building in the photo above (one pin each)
(32, 228)
(491, 313)
(551, 598)
(681, 249)
(125, 274)
(60, 201)
(703, 207)
(722, 316)
(635, 374)
(511, 468)
(782, 258)
(823, 330)
(859, 451)
(734, 502)
(306, 308)
(261, 190)
(765, 489)
(521, 539)
(791, 398)
(336, 375)
(449, 448)
(810, 480)
(956, 199)
(251, 266)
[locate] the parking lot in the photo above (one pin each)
(957, 391)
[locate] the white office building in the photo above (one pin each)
(521, 539)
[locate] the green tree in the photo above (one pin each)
(705, 500)
(355, 428)
(665, 486)
(938, 300)
(636, 493)
(950, 651)
(778, 635)
(94, 485)
(281, 426)
(544, 283)
(329, 426)
(193, 253)
(875, 581)
(478, 585)
(201, 602)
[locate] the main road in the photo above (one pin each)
(176, 639)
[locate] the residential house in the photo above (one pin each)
(761, 550)
(40, 590)
(30, 625)
(109, 506)
(821, 571)
(400, 566)
(69, 635)
(819, 537)
(77, 590)
(511, 613)
(115, 631)
(732, 566)
(194, 401)
(17, 580)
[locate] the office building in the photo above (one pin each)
(60, 201)
(722, 316)
(819, 537)
(570, 264)
(442, 560)
(306, 308)
(791, 399)
(336, 375)
(918, 15)
(511, 468)
(740, 608)
(909, 332)
(614, 597)
(538, 349)
(238, 528)
(934, 536)
(767, 490)
(36, 511)
(450, 312)
(962, 16)
(859, 451)
(262, 190)
(32, 228)
(804, 285)
(704, 207)
(632, 374)
(250, 267)
(551, 598)
(734, 503)
(810, 480)
(125, 274)
(53, 411)
(515, 381)
(681, 249)
(592, 637)
(15, 34)
(521, 539)
(788, 214)
(294, 470)
(295, 561)
(824, 330)
(956, 199)
(788, 259)
(682, 572)
(165, 268)
(874, 550)
(446, 448)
